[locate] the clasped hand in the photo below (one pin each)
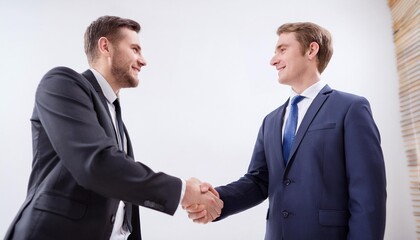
(201, 201)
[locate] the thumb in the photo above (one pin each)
(205, 187)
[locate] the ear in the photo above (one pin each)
(104, 46)
(313, 50)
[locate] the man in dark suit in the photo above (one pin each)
(84, 182)
(327, 181)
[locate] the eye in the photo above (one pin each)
(135, 50)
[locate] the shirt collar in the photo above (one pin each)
(311, 91)
(105, 87)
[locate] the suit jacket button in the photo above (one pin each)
(287, 182)
(285, 214)
(112, 218)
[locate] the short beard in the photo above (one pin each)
(122, 74)
(123, 77)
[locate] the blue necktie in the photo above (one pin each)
(119, 123)
(290, 127)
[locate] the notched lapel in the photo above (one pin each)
(88, 75)
(91, 78)
(278, 124)
(307, 120)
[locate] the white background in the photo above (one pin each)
(204, 93)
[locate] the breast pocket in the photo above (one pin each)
(319, 138)
(321, 126)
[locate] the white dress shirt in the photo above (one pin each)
(310, 93)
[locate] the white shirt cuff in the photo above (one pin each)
(184, 186)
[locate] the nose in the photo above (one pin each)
(141, 60)
(274, 60)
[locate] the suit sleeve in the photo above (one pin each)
(67, 110)
(365, 174)
(252, 188)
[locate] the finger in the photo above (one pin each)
(212, 190)
(217, 202)
(205, 187)
(202, 220)
(197, 215)
(190, 208)
(211, 215)
(214, 203)
(213, 212)
(220, 204)
(195, 208)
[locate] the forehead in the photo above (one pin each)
(128, 36)
(286, 39)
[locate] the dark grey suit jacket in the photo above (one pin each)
(78, 174)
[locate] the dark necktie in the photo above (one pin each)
(128, 206)
(290, 127)
(119, 124)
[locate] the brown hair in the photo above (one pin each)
(306, 33)
(106, 26)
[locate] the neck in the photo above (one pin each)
(106, 73)
(306, 82)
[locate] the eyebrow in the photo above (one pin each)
(280, 46)
(136, 46)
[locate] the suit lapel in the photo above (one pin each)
(91, 78)
(307, 120)
(278, 128)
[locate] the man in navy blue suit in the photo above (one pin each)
(332, 183)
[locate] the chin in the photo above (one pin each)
(134, 84)
(133, 81)
(281, 81)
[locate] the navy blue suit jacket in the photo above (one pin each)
(78, 173)
(334, 184)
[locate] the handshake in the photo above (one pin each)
(201, 201)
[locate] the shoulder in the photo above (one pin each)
(62, 70)
(347, 103)
(63, 81)
(62, 73)
(345, 97)
(63, 76)
(276, 111)
(273, 116)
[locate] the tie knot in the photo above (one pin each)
(296, 99)
(117, 108)
(117, 104)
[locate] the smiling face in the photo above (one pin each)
(290, 60)
(126, 59)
